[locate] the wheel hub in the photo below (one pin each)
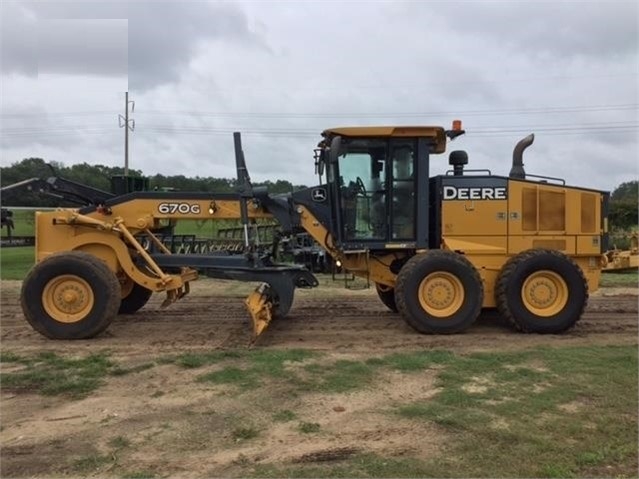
(67, 298)
(544, 293)
(441, 294)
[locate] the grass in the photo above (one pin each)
(414, 361)
(244, 433)
(248, 369)
(24, 223)
(120, 371)
(139, 475)
(197, 360)
(545, 413)
(15, 263)
(339, 377)
(285, 415)
(626, 279)
(90, 463)
(359, 466)
(569, 412)
(308, 427)
(50, 374)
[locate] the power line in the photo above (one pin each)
(220, 114)
(456, 113)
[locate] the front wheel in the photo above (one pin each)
(439, 292)
(134, 298)
(70, 295)
(387, 296)
(541, 291)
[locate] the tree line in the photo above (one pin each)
(624, 206)
(622, 215)
(99, 176)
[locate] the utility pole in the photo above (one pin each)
(128, 125)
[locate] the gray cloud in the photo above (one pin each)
(564, 29)
(163, 37)
(18, 39)
(82, 47)
(281, 75)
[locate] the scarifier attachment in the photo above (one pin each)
(260, 306)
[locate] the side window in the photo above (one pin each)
(403, 192)
(362, 182)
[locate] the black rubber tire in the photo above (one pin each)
(387, 296)
(508, 291)
(416, 270)
(102, 281)
(135, 300)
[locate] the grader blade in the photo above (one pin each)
(259, 304)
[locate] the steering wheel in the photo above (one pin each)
(360, 186)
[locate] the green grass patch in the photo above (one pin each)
(414, 361)
(308, 427)
(197, 360)
(341, 376)
(244, 433)
(272, 363)
(625, 279)
(24, 223)
(16, 262)
(360, 466)
(119, 442)
(243, 378)
(542, 413)
(51, 374)
(91, 463)
(120, 371)
(139, 475)
(285, 415)
(249, 368)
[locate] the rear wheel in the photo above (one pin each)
(71, 295)
(387, 295)
(134, 297)
(439, 292)
(541, 291)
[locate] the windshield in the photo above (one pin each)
(377, 183)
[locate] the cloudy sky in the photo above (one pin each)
(281, 72)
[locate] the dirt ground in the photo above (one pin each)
(170, 421)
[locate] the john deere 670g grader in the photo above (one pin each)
(438, 249)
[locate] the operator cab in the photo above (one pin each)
(377, 181)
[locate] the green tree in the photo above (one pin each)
(624, 206)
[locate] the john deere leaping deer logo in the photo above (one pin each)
(318, 195)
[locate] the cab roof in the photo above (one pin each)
(436, 133)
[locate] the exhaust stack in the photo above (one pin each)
(517, 171)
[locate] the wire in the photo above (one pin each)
(292, 115)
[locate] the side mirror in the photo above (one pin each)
(320, 161)
(336, 145)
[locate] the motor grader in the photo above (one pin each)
(438, 249)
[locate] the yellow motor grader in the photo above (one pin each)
(437, 248)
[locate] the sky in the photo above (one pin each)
(282, 72)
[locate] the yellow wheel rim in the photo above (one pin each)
(67, 298)
(441, 294)
(544, 293)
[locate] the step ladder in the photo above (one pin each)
(348, 276)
